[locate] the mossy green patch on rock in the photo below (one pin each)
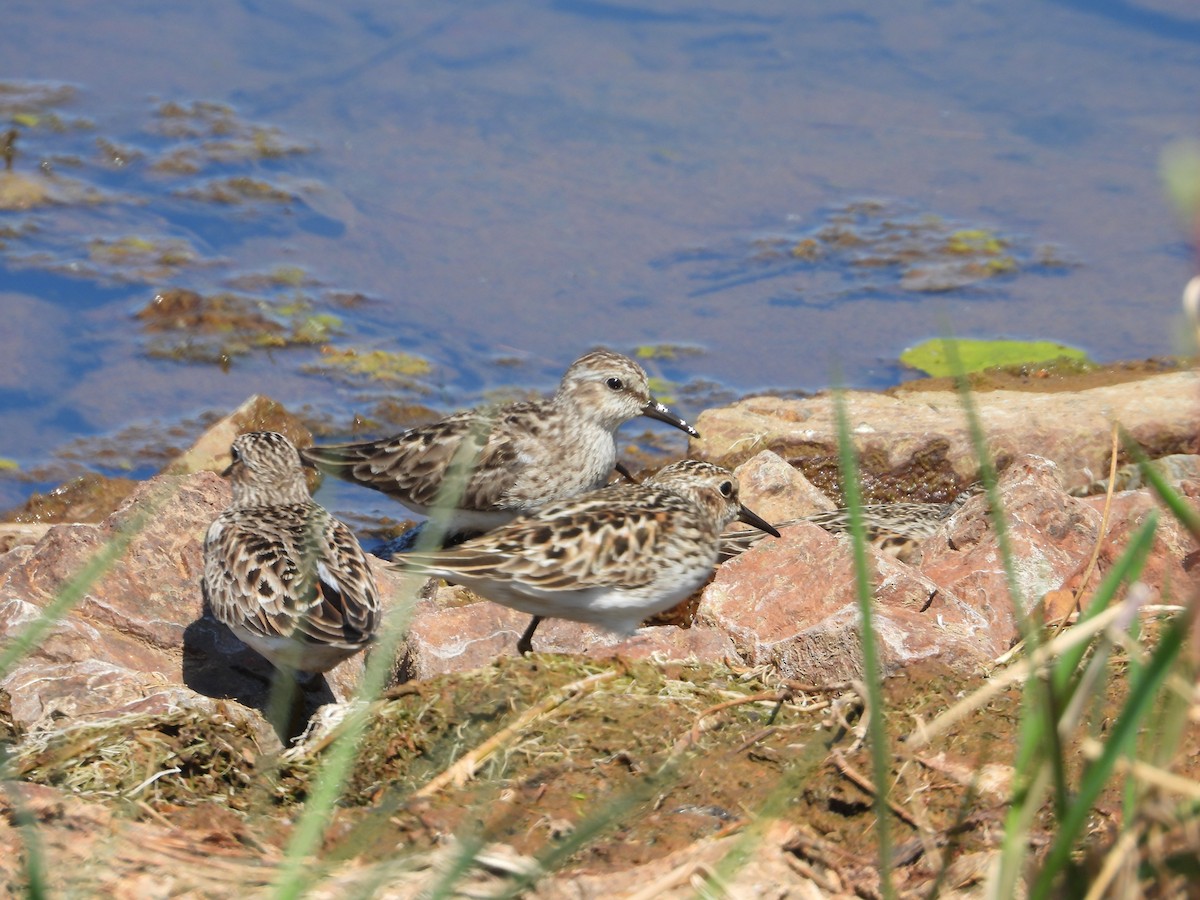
(932, 358)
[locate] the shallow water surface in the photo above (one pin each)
(492, 188)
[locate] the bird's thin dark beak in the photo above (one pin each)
(228, 470)
(655, 410)
(753, 518)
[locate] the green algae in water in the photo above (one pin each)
(866, 249)
(665, 351)
(1180, 172)
(373, 365)
(663, 390)
(973, 241)
(977, 355)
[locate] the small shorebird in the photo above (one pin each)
(288, 578)
(893, 528)
(485, 467)
(610, 557)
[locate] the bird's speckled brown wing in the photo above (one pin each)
(471, 452)
(286, 571)
(615, 536)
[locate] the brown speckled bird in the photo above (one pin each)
(484, 467)
(610, 557)
(288, 578)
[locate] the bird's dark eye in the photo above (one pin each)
(726, 488)
(233, 452)
(615, 383)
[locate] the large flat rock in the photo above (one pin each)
(916, 445)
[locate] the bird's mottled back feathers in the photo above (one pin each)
(282, 572)
(489, 465)
(464, 453)
(613, 535)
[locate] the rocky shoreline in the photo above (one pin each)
(137, 643)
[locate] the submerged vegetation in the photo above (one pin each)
(869, 248)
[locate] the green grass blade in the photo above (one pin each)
(1125, 571)
(872, 674)
(1121, 735)
(306, 836)
(1038, 743)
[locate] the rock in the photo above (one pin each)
(791, 603)
(778, 491)
(119, 648)
(1050, 534)
(1171, 572)
(87, 498)
(915, 446)
(453, 631)
(258, 413)
(138, 640)
(21, 534)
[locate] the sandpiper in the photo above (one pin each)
(485, 467)
(610, 557)
(289, 579)
(892, 528)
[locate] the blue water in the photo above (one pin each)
(512, 183)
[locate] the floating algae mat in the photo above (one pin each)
(976, 355)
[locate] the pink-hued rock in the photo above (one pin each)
(1171, 572)
(792, 603)
(1052, 536)
(1050, 533)
(452, 631)
(920, 439)
(777, 491)
(120, 647)
(138, 639)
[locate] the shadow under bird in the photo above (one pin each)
(610, 557)
(484, 467)
(289, 579)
